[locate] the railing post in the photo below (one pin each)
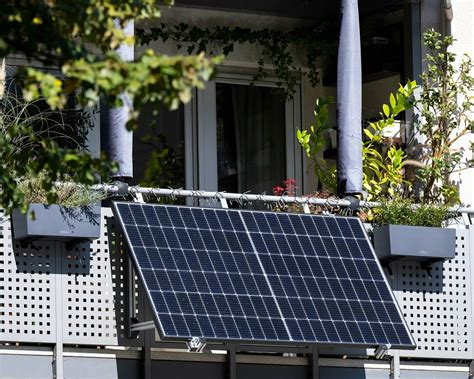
(231, 362)
(58, 363)
(129, 297)
(395, 365)
(314, 363)
(146, 353)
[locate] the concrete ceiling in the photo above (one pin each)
(310, 9)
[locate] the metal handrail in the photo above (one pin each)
(353, 203)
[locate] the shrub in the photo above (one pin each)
(68, 193)
(405, 212)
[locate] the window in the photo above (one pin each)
(246, 136)
(251, 148)
(232, 137)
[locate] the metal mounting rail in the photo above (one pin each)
(351, 203)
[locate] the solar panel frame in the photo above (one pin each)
(246, 228)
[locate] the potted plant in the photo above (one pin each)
(36, 140)
(403, 230)
(74, 216)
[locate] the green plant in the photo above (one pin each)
(314, 142)
(79, 39)
(445, 107)
(275, 47)
(383, 165)
(165, 168)
(68, 193)
(404, 212)
(35, 140)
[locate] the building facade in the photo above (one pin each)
(67, 312)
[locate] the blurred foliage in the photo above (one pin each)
(78, 39)
(41, 146)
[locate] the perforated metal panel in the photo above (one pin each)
(94, 289)
(438, 309)
(27, 289)
(88, 302)
(83, 286)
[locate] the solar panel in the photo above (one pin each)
(261, 276)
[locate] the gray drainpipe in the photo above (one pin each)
(448, 13)
(349, 102)
(116, 140)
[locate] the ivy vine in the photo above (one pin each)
(276, 47)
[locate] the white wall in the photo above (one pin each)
(462, 28)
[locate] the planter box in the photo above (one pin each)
(57, 222)
(418, 243)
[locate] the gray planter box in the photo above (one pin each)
(418, 243)
(57, 222)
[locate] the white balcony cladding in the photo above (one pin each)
(86, 289)
(116, 140)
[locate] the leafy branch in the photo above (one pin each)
(382, 167)
(275, 47)
(79, 39)
(445, 106)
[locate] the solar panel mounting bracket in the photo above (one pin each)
(196, 344)
(224, 203)
(140, 326)
(381, 351)
(136, 327)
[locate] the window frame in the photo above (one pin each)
(201, 133)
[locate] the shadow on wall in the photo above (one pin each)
(218, 370)
(41, 257)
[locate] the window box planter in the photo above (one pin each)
(57, 222)
(418, 243)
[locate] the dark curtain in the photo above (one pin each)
(259, 118)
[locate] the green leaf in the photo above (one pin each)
(393, 102)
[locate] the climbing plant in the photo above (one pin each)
(275, 47)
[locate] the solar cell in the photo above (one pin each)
(261, 276)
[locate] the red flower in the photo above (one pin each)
(278, 191)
